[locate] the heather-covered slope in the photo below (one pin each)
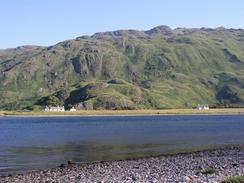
(128, 69)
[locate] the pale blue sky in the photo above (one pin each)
(46, 22)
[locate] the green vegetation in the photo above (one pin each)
(235, 179)
(127, 69)
(209, 170)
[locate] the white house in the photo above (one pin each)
(54, 109)
(203, 107)
(72, 109)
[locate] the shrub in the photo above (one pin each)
(53, 101)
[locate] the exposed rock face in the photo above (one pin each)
(88, 63)
(165, 30)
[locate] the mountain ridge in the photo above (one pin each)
(128, 69)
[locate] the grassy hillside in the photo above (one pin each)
(128, 69)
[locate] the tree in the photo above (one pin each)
(53, 101)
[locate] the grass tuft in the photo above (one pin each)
(235, 179)
(209, 170)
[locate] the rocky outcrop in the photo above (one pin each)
(88, 63)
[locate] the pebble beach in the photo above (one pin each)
(208, 166)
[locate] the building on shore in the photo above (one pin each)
(72, 109)
(54, 109)
(202, 107)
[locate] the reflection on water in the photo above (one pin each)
(81, 152)
(36, 143)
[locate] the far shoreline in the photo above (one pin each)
(149, 112)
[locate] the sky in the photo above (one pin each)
(47, 22)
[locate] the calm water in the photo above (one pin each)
(28, 143)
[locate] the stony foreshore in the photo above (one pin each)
(206, 166)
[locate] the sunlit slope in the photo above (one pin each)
(128, 69)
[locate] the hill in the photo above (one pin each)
(128, 69)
